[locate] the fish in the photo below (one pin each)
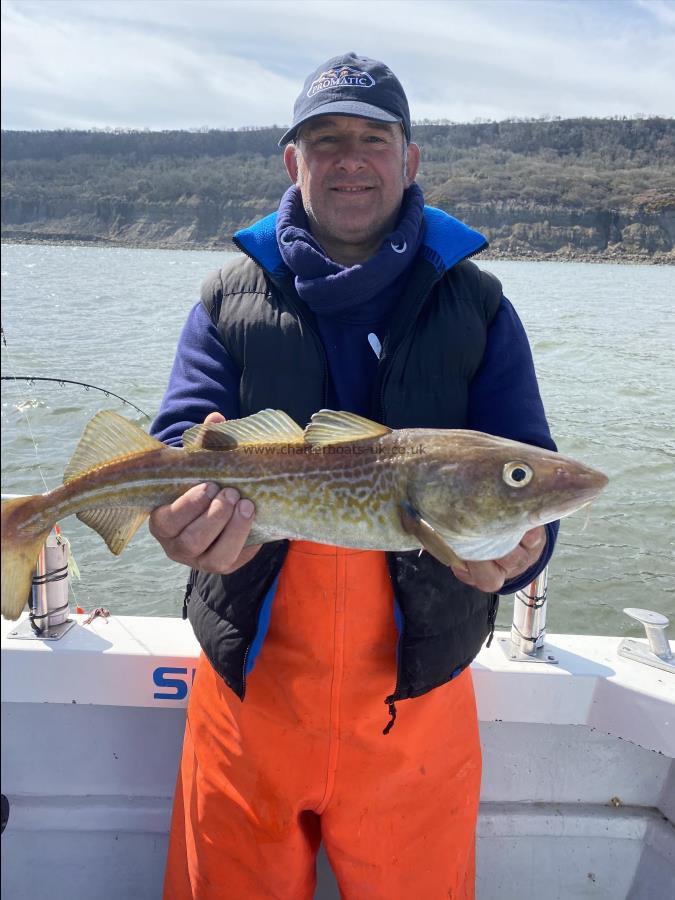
(342, 480)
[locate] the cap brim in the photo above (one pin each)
(342, 108)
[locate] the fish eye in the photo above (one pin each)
(517, 474)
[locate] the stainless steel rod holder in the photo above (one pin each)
(528, 630)
(39, 604)
(49, 608)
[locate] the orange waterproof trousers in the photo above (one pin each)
(303, 758)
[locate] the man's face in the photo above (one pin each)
(352, 173)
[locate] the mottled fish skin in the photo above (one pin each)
(312, 494)
(348, 493)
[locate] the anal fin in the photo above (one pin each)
(116, 525)
(433, 543)
(263, 536)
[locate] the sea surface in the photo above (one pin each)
(602, 336)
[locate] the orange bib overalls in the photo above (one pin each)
(303, 758)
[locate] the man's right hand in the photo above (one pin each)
(206, 528)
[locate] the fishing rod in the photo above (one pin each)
(87, 387)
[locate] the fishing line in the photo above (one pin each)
(87, 387)
(587, 518)
(71, 568)
(23, 412)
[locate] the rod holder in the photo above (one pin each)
(528, 629)
(49, 609)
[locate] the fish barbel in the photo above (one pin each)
(343, 480)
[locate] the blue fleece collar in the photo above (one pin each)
(446, 242)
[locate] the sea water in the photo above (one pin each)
(602, 337)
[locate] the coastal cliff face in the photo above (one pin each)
(536, 230)
(514, 231)
(577, 189)
(189, 222)
(186, 222)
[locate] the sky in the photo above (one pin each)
(190, 64)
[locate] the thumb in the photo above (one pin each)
(214, 418)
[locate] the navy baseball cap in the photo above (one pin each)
(351, 85)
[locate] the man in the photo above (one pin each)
(354, 296)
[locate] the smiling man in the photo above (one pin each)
(352, 174)
(353, 295)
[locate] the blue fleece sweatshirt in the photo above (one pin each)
(504, 397)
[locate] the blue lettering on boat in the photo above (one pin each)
(175, 678)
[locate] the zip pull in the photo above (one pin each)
(392, 712)
(188, 592)
(492, 618)
(375, 344)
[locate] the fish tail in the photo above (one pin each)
(24, 530)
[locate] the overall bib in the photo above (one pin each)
(303, 758)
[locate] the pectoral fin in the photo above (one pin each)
(433, 543)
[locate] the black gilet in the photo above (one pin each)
(434, 346)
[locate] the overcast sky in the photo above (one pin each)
(223, 63)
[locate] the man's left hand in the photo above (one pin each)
(490, 575)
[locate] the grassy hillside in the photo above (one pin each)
(576, 188)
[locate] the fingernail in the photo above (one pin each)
(231, 495)
(211, 490)
(246, 509)
(530, 541)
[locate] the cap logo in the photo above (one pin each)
(346, 76)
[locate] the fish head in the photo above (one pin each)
(482, 493)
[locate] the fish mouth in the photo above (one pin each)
(572, 489)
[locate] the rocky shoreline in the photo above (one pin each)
(567, 254)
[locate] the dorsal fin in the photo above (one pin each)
(107, 436)
(269, 426)
(330, 427)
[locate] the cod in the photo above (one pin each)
(343, 480)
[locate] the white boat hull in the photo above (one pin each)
(578, 796)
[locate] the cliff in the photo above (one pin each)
(585, 188)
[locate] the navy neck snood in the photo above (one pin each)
(331, 289)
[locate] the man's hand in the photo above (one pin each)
(206, 528)
(490, 575)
